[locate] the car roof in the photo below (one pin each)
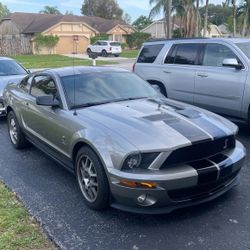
(197, 40)
(78, 70)
(6, 58)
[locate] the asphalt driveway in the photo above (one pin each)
(51, 195)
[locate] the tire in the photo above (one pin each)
(89, 51)
(94, 187)
(104, 53)
(17, 137)
(116, 55)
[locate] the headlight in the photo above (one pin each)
(138, 160)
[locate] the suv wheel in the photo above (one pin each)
(89, 51)
(92, 179)
(104, 53)
(16, 134)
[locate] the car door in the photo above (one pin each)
(44, 122)
(95, 47)
(219, 88)
(179, 71)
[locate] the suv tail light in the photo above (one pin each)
(110, 48)
(133, 68)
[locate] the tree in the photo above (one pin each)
(69, 12)
(108, 9)
(243, 11)
(50, 10)
(142, 22)
(197, 18)
(4, 11)
(233, 3)
(205, 21)
(166, 6)
(126, 18)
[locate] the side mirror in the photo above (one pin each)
(232, 62)
(47, 100)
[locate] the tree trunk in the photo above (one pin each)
(245, 21)
(169, 19)
(234, 17)
(197, 18)
(205, 21)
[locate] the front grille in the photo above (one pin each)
(199, 150)
(201, 191)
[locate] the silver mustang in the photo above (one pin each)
(128, 147)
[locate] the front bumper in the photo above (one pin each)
(177, 186)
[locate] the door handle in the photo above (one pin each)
(202, 75)
(167, 72)
(26, 103)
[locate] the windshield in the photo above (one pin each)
(245, 47)
(102, 87)
(115, 44)
(9, 67)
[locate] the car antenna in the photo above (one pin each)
(74, 78)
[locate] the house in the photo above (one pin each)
(224, 30)
(157, 28)
(17, 32)
(213, 31)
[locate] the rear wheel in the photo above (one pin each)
(104, 53)
(92, 179)
(116, 55)
(16, 134)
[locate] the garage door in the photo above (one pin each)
(65, 45)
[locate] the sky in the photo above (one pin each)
(134, 8)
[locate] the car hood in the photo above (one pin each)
(150, 124)
(4, 80)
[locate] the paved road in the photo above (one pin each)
(51, 195)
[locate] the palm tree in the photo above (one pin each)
(50, 10)
(243, 10)
(205, 21)
(197, 18)
(233, 3)
(166, 6)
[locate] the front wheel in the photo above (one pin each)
(89, 51)
(16, 134)
(92, 179)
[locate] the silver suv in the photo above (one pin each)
(210, 73)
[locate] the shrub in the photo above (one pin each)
(135, 40)
(99, 37)
(45, 41)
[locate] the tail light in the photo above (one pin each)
(110, 48)
(133, 67)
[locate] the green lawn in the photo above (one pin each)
(17, 229)
(53, 61)
(129, 53)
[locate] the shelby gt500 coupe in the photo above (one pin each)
(128, 147)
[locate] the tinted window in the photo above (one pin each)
(103, 43)
(214, 54)
(149, 53)
(171, 55)
(9, 67)
(245, 47)
(115, 44)
(25, 84)
(104, 87)
(186, 53)
(43, 85)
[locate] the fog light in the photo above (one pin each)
(135, 184)
(146, 200)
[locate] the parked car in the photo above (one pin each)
(105, 48)
(128, 146)
(10, 71)
(211, 73)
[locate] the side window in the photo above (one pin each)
(43, 85)
(25, 83)
(185, 54)
(149, 53)
(214, 54)
(171, 55)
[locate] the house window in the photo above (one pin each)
(118, 38)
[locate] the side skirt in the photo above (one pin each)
(51, 152)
